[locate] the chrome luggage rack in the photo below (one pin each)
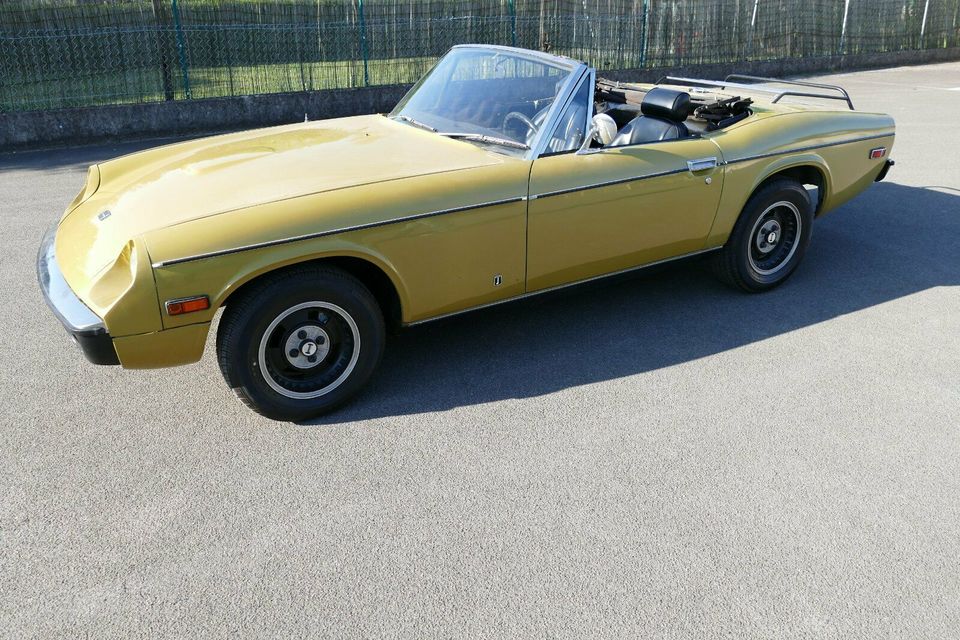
(751, 83)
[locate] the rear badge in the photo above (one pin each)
(103, 215)
(877, 153)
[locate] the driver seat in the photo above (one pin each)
(664, 111)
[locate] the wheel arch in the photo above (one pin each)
(807, 169)
(377, 276)
(743, 180)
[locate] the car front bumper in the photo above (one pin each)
(80, 322)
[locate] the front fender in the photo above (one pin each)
(220, 276)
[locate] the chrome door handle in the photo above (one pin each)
(702, 164)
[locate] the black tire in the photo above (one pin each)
(780, 211)
(326, 316)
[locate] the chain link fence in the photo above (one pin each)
(75, 53)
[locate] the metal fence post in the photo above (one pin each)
(513, 21)
(181, 49)
(363, 44)
(923, 25)
(956, 12)
(159, 16)
(643, 36)
(753, 28)
(953, 32)
(843, 27)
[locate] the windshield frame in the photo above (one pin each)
(576, 72)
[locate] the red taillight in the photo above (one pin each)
(879, 152)
(187, 305)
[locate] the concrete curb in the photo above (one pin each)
(38, 129)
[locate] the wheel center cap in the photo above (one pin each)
(768, 236)
(307, 346)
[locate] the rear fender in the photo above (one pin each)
(742, 179)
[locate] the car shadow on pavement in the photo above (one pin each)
(890, 242)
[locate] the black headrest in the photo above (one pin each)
(666, 103)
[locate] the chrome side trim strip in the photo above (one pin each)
(331, 232)
(530, 294)
(370, 225)
(809, 148)
(607, 183)
(725, 162)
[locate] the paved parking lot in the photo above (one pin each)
(657, 456)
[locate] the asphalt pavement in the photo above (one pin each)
(658, 456)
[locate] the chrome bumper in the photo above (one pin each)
(83, 324)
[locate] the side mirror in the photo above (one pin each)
(602, 130)
(592, 132)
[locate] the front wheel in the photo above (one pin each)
(301, 342)
(769, 239)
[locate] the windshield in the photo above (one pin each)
(487, 96)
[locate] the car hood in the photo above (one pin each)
(174, 184)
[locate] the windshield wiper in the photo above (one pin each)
(415, 123)
(481, 137)
(478, 137)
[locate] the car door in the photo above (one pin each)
(612, 209)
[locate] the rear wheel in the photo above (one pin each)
(301, 342)
(769, 239)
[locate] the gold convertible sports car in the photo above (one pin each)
(502, 173)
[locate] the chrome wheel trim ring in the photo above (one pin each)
(308, 395)
(796, 239)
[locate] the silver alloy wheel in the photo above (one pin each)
(775, 231)
(321, 346)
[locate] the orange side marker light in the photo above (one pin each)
(187, 305)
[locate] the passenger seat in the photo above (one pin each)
(664, 111)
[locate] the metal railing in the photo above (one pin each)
(766, 85)
(73, 53)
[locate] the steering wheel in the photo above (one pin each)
(516, 115)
